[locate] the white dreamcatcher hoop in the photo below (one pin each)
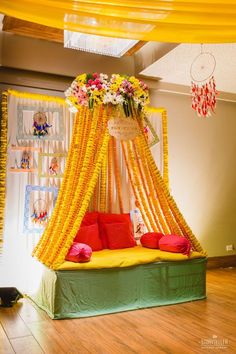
(203, 87)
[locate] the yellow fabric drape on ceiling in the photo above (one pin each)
(200, 21)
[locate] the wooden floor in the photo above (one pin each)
(205, 326)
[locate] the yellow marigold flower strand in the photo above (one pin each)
(139, 185)
(164, 227)
(54, 224)
(136, 195)
(90, 160)
(103, 186)
(95, 197)
(3, 160)
(70, 169)
(146, 186)
(67, 235)
(84, 173)
(140, 122)
(182, 227)
(152, 166)
(68, 207)
(85, 202)
(117, 174)
(165, 148)
(110, 171)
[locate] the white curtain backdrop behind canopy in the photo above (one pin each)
(19, 269)
(36, 190)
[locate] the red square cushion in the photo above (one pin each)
(90, 236)
(119, 236)
(90, 218)
(151, 239)
(79, 253)
(107, 218)
(174, 243)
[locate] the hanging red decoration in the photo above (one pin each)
(204, 97)
(203, 87)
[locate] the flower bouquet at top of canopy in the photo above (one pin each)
(96, 89)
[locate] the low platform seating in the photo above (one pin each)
(114, 281)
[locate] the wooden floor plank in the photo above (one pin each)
(23, 345)
(177, 329)
(5, 345)
(31, 313)
(53, 341)
(12, 323)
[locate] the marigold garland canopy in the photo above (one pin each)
(93, 170)
(200, 21)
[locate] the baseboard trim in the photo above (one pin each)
(221, 262)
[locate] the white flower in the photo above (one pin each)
(111, 97)
(119, 99)
(71, 107)
(68, 92)
(107, 98)
(74, 84)
(103, 77)
(84, 88)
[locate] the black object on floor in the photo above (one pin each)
(9, 296)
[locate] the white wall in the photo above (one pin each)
(202, 154)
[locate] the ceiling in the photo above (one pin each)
(174, 67)
(30, 29)
(170, 65)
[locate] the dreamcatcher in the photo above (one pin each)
(40, 213)
(203, 87)
(40, 125)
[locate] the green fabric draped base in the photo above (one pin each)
(73, 294)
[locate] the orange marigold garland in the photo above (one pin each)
(3, 160)
(117, 174)
(138, 185)
(70, 170)
(83, 179)
(149, 189)
(165, 148)
(110, 171)
(180, 223)
(152, 166)
(135, 191)
(103, 185)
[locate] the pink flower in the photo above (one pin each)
(96, 82)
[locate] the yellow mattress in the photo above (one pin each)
(127, 257)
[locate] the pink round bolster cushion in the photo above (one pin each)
(79, 253)
(174, 243)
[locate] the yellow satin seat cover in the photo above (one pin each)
(127, 257)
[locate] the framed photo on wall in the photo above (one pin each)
(22, 159)
(40, 122)
(51, 164)
(150, 133)
(39, 204)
